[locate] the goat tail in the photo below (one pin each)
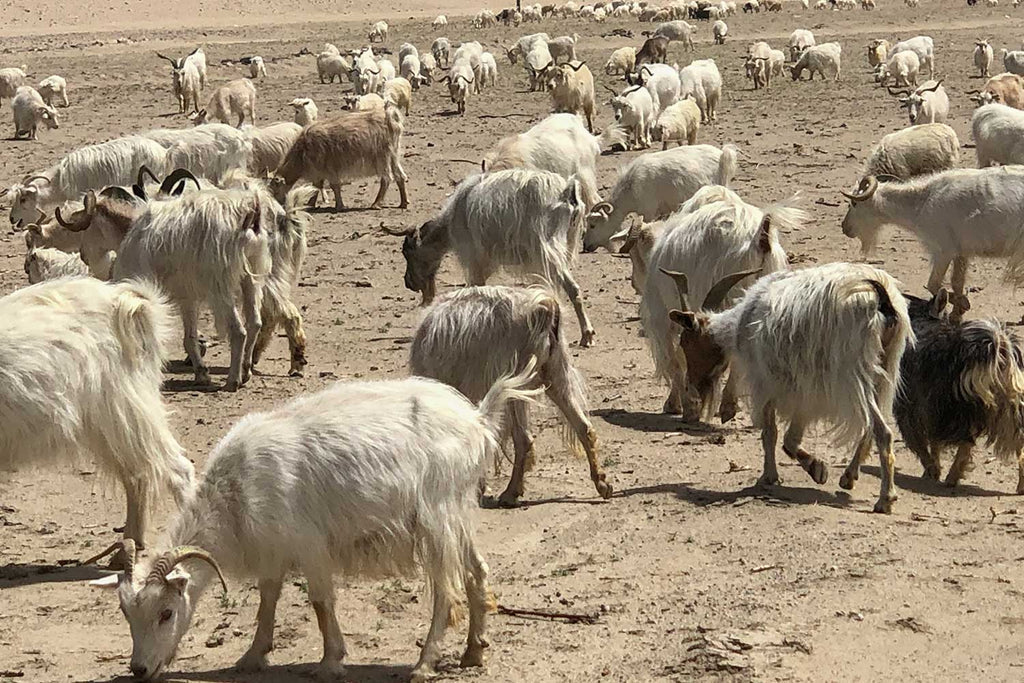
(895, 334)
(505, 389)
(141, 322)
(727, 165)
(998, 381)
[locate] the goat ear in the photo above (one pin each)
(178, 580)
(109, 581)
(764, 235)
(685, 319)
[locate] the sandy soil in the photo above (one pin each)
(693, 572)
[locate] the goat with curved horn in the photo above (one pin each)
(176, 175)
(172, 558)
(577, 67)
(682, 285)
(866, 189)
(80, 220)
(716, 295)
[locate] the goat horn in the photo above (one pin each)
(193, 52)
(717, 295)
(897, 93)
(931, 89)
(576, 68)
(126, 544)
(144, 171)
(174, 62)
(4, 191)
(973, 92)
(177, 174)
(117, 192)
(682, 285)
(172, 558)
(29, 178)
(82, 222)
(867, 188)
(610, 89)
(397, 232)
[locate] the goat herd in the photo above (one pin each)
(125, 237)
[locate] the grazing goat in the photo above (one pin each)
(654, 185)
(305, 111)
(54, 89)
(572, 91)
(678, 123)
(961, 382)
(929, 103)
(983, 57)
(622, 61)
(188, 78)
(521, 219)
(362, 478)
(563, 47)
(378, 32)
(820, 344)
(824, 59)
(82, 366)
(93, 167)
(440, 22)
(800, 40)
(914, 151)
(441, 49)
(471, 337)
(678, 31)
(1004, 88)
(902, 66)
(957, 215)
(348, 146)
(29, 111)
(398, 91)
(713, 234)
(653, 51)
(233, 100)
(924, 46)
(331, 65)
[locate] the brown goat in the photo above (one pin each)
(349, 146)
(654, 51)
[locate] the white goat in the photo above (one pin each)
(378, 32)
(440, 49)
(1013, 61)
(29, 111)
(257, 67)
(522, 219)
(800, 40)
(485, 72)
(46, 263)
(12, 78)
(233, 100)
(212, 150)
(54, 89)
(878, 52)
(903, 67)
(702, 80)
(956, 215)
(924, 46)
(460, 81)
(914, 151)
(719, 31)
(331, 65)
(677, 31)
(929, 103)
(82, 367)
(635, 112)
(440, 22)
(983, 57)
(622, 61)
(563, 47)
(820, 344)
(560, 144)
(1004, 88)
(116, 162)
(997, 130)
(366, 478)
(824, 59)
(678, 123)
(471, 337)
(662, 81)
(428, 65)
(713, 234)
(398, 91)
(305, 110)
(188, 78)
(654, 185)
(411, 70)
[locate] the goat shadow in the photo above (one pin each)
(655, 422)
(928, 487)
(787, 496)
(284, 673)
(16, 575)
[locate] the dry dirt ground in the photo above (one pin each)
(693, 572)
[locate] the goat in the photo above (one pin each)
(460, 80)
(365, 478)
(653, 51)
(622, 61)
(654, 185)
(270, 145)
(233, 100)
(82, 366)
(378, 32)
(212, 150)
(305, 110)
(878, 52)
(929, 103)
(469, 338)
(924, 46)
(997, 131)
(522, 219)
(572, 91)
(679, 31)
(29, 111)
(678, 123)
(12, 78)
(961, 382)
(914, 151)
(109, 163)
(845, 327)
(956, 214)
(662, 81)
(902, 66)
(635, 113)
(800, 40)
(440, 49)
(45, 263)
(983, 57)
(714, 232)
(188, 78)
(719, 31)
(355, 145)
(1004, 88)
(398, 91)
(563, 47)
(53, 87)
(440, 22)
(824, 59)
(331, 65)
(257, 67)
(702, 80)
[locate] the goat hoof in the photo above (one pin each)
(232, 386)
(818, 471)
(508, 500)
(766, 480)
(473, 656)
(604, 489)
(587, 339)
(950, 482)
(330, 670)
(884, 505)
(932, 472)
(726, 413)
(847, 481)
(250, 662)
